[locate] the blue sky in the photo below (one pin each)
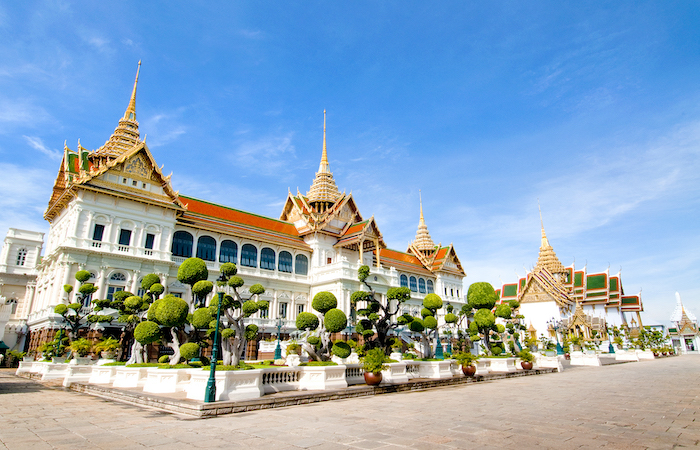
(592, 108)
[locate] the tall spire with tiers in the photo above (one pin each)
(323, 191)
(547, 259)
(423, 241)
(126, 135)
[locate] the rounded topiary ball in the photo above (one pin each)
(451, 318)
(251, 331)
(313, 340)
(201, 318)
(430, 322)
(341, 349)
(172, 311)
(157, 289)
(249, 307)
(147, 332)
(149, 280)
(432, 301)
(164, 359)
(133, 302)
(256, 289)
(307, 321)
(335, 320)
(416, 325)
(425, 312)
(236, 282)
(228, 333)
(324, 301)
(189, 350)
(60, 309)
(192, 270)
(503, 311)
(228, 269)
(82, 276)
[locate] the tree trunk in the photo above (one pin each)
(428, 349)
(137, 353)
(175, 345)
(227, 350)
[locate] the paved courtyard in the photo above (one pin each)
(651, 404)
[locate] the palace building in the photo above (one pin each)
(558, 300)
(685, 333)
(114, 213)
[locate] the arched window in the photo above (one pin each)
(206, 248)
(228, 252)
(421, 285)
(285, 262)
(182, 244)
(404, 281)
(118, 276)
(267, 259)
(21, 256)
(430, 287)
(413, 286)
(301, 265)
(249, 256)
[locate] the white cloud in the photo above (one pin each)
(38, 144)
(267, 156)
(164, 128)
(24, 197)
(14, 112)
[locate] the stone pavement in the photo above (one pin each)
(650, 404)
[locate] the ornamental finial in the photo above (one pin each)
(130, 113)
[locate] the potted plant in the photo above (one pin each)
(466, 360)
(107, 348)
(80, 347)
(293, 348)
(373, 363)
(526, 358)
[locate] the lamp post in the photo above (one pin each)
(210, 394)
(278, 349)
(556, 326)
(611, 348)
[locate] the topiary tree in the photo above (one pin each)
(170, 312)
(191, 271)
(376, 319)
(428, 324)
(317, 329)
(71, 313)
(481, 298)
(200, 290)
(235, 309)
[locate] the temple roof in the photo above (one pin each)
(680, 311)
(323, 188)
(423, 241)
(547, 258)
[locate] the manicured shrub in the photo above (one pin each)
(201, 318)
(307, 321)
(503, 311)
(202, 288)
(134, 302)
(60, 309)
(87, 289)
(228, 333)
(149, 280)
(251, 331)
(500, 328)
(157, 289)
(496, 350)
(228, 269)
(249, 308)
(236, 282)
(81, 346)
(335, 320)
(82, 276)
(172, 311)
(484, 318)
(324, 301)
(363, 273)
(451, 318)
(432, 301)
(359, 296)
(147, 332)
(164, 359)
(192, 270)
(430, 322)
(189, 350)
(399, 293)
(425, 312)
(68, 288)
(313, 340)
(481, 295)
(256, 289)
(416, 325)
(341, 349)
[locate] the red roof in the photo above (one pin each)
(402, 260)
(233, 215)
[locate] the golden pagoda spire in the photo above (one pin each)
(547, 259)
(130, 113)
(126, 135)
(323, 191)
(423, 241)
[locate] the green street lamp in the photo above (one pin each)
(278, 349)
(210, 394)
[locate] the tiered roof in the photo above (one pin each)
(323, 190)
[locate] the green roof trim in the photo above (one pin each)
(595, 294)
(522, 283)
(510, 290)
(596, 281)
(630, 300)
(578, 279)
(614, 284)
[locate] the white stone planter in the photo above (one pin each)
(395, 373)
(548, 362)
(483, 366)
(644, 355)
(435, 369)
(103, 361)
(81, 360)
(584, 359)
(313, 378)
(625, 355)
(396, 356)
(232, 385)
(102, 375)
(52, 371)
(501, 365)
(77, 373)
(24, 367)
(166, 381)
(280, 379)
(130, 377)
(412, 368)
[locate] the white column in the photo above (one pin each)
(134, 281)
(66, 275)
(102, 283)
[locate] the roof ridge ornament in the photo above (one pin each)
(323, 192)
(547, 257)
(423, 241)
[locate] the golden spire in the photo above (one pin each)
(126, 135)
(547, 258)
(323, 191)
(130, 113)
(423, 241)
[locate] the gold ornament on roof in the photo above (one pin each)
(423, 241)
(324, 191)
(547, 259)
(126, 135)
